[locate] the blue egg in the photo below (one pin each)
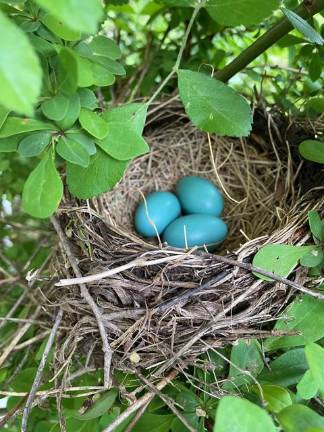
(162, 209)
(199, 195)
(195, 230)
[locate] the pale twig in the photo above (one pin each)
(140, 402)
(86, 295)
(135, 263)
(31, 341)
(39, 373)
(138, 415)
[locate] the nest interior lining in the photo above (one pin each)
(259, 176)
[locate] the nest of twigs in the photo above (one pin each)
(143, 303)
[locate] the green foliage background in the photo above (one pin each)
(64, 68)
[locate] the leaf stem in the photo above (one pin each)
(283, 27)
(180, 54)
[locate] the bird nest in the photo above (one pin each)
(127, 301)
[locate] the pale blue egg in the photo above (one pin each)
(161, 209)
(196, 230)
(199, 195)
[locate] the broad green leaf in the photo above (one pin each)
(72, 152)
(111, 65)
(68, 74)
(85, 74)
(17, 125)
(246, 356)
(34, 144)
(122, 142)
(246, 12)
(315, 359)
(154, 423)
(24, 380)
(306, 29)
(315, 67)
(43, 188)
(101, 175)
(276, 397)
(42, 46)
(279, 259)
(307, 387)
(316, 225)
(312, 150)
(213, 106)
(236, 414)
(72, 113)
(101, 76)
(290, 40)
(299, 418)
(20, 71)
(313, 258)
(55, 108)
(316, 104)
(84, 140)
(134, 114)
(304, 315)
(100, 406)
(60, 29)
(106, 47)
(81, 15)
(87, 99)
(10, 144)
(4, 112)
(93, 124)
(285, 370)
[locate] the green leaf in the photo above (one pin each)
(72, 113)
(85, 74)
(4, 112)
(68, 71)
(315, 359)
(43, 189)
(246, 356)
(84, 140)
(42, 46)
(313, 258)
(81, 15)
(9, 144)
(316, 104)
(154, 423)
(17, 125)
(279, 259)
(236, 414)
(307, 387)
(276, 397)
(55, 108)
(34, 144)
(92, 123)
(122, 142)
(20, 71)
(315, 67)
(60, 29)
(304, 315)
(290, 40)
(134, 114)
(316, 225)
(246, 12)
(101, 76)
(285, 370)
(72, 152)
(106, 47)
(299, 418)
(111, 65)
(101, 175)
(87, 99)
(312, 150)
(306, 29)
(100, 406)
(213, 106)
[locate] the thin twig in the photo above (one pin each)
(140, 402)
(39, 373)
(86, 295)
(138, 415)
